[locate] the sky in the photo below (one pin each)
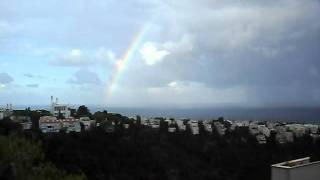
(161, 53)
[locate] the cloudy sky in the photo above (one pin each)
(204, 53)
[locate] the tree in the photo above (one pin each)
(83, 111)
(24, 160)
(35, 116)
(138, 120)
(100, 116)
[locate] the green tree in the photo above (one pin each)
(100, 116)
(24, 160)
(83, 111)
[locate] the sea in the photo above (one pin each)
(295, 114)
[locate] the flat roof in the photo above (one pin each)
(295, 163)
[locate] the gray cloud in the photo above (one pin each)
(32, 85)
(33, 76)
(251, 52)
(5, 78)
(84, 76)
(28, 75)
(271, 49)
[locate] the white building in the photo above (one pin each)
(253, 129)
(171, 129)
(194, 127)
(300, 169)
(312, 128)
(284, 137)
(50, 124)
(264, 130)
(154, 123)
(207, 127)
(87, 122)
(181, 125)
(57, 108)
(261, 139)
(220, 128)
(6, 112)
(298, 129)
(71, 125)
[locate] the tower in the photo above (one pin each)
(52, 105)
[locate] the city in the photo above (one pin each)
(160, 90)
(64, 122)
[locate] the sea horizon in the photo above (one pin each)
(281, 114)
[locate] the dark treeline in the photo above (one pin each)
(141, 153)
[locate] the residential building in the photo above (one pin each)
(172, 129)
(154, 123)
(24, 121)
(261, 139)
(181, 125)
(194, 127)
(87, 122)
(207, 127)
(220, 128)
(264, 130)
(6, 112)
(57, 109)
(50, 124)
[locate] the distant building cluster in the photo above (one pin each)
(50, 124)
(60, 118)
(284, 132)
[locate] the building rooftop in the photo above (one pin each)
(295, 163)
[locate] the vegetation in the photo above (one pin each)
(22, 159)
(141, 152)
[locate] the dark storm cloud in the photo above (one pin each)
(269, 48)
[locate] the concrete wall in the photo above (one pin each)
(306, 172)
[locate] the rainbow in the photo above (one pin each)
(124, 61)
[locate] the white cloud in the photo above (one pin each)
(106, 55)
(184, 45)
(151, 54)
(172, 84)
(75, 57)
(7, 28)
